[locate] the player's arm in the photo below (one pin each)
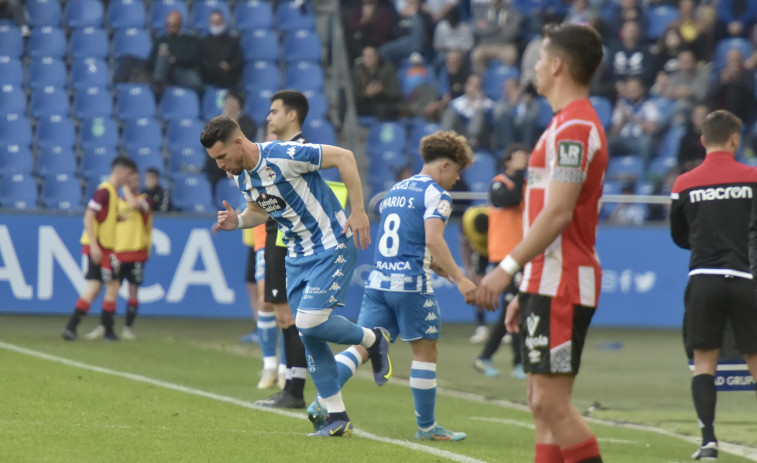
(434, 230)
(252, 216)
(132, 200)
(679, 227)
(344, 161)
(89, 226)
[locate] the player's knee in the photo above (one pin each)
(548, 408)
(310, 322)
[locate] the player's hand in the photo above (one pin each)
(491, 287)
(358, 222)
(214, 229)
(468, 289)
(512, 316)
(440, 271)
(95, 253)
(227, 219)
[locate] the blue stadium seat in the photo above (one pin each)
(56, 160)
(55, 130)
(201, 10)
(47, 71)
(419, 129)
(61, 192)
(43, 13)
(387, 136)
(253, 14)
(724, 45)
(611, 187)
(495, 77)
(213, 101)
(625, 168)
(95, 162)
(179, 103)
(123, 14)
(15, 159)
(18, 191)
(141, 132)
(192, 193)
(89, 72)
(98, 131)
(15, 129)
(188, 158)
(134, 101)
(317, 104)
(301, 45)
(46, 41)
(479, 175)
(660, 166)
(92, 183)
(183, 132)
(159, 9)
(11, 71)
(11, 41)
(603, 107)
(88, 42)
(83, 13)
(319, 131)
(148, 157)
(671, 141)
(92, 102)
(658, 19)
(304, 76)
(226, 190)
(261, 75)
(131, 42)
(258, 105)
(49, 100)
(260, 45)
(381, 178)
(290, 16)
(545, 113)
(12, 100)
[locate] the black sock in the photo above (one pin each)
(480, 317)
(106, 319)
(705, 397)
(131, 314)
(496, 334)
(596, 459)
(296, 357)
(76, 317)
(339, 416)
(288, 350)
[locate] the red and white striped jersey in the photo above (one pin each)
(572, 149)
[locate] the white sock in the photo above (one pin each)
(334, 404)
(270, 363)
(369, 338)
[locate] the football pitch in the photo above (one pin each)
(183, 392)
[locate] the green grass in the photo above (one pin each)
(55, 412)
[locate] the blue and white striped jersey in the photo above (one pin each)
(287, 185)
(401, 258)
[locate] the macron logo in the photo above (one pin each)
(731, 192)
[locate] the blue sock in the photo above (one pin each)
(321, 365)
(282, 351)
(423, 385)
(336, 329)
(347, 362)
(267, 329)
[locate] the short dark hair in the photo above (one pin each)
(152, 170)
(446, 145)
(237, 96)
(481, 222)
(123, 161)
(293, 101)
(718, 127)
(220, 128)
(580, 46)
(513, 148)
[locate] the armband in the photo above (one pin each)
(509, 265)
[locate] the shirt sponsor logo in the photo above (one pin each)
(531, 341)
(730, 192)
(569, 153)
(532, 322)
(394, 266)
(270, 203)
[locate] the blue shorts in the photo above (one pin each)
(260, 264)
(321, 281)
(413, 315)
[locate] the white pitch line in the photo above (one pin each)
(231, 400)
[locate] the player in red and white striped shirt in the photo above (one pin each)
(561, 279)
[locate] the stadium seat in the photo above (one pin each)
(381, 178)
(11, 41)
(253, 14)
(159, 9)
(291, 15)
(15, 129)
(603, 107)
(260, 45)
(91, 184)
(148, 157)
(192, 193)
(261, 75)
(213, 101)
(226, 190)
(495, 77)
(658, 19)
(18, 191)
(201, 10)
(387, 136)
(724, 45)
(141, 132)
(123, 14)
(98, 131)
(49, 100)
(545, 113)
(83, 13)
(131, 42)
(179, 103)
(12, 100)
(55, 130)
(479, 175)
(419, 129)
(45, 41)
(56, 160)
(89, 72)
(671, 141)
(95, 162)
(301, 45)
(47, 71)
(88, 42)
(43, 13)
(258, 105)
(188, 158)
(303, 76)
(15, 159)
(317, 104)
(183, 132)
(92, 102)
(319, 131)
(11, 71)
(134, 101)
(660, 166)
(610, 187)
(61, 192)
(625, 168)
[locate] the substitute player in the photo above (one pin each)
(398, 293)
(281, 179)
(711, 216)
(561, 279)
(98, 241)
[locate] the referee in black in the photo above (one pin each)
(714, 214)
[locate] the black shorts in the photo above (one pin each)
(250, 273)
(553, 331)
(710, 301)
(133, 272)
(275, 271)
(103, 273)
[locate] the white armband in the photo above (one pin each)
(509, 265)
(239, 221)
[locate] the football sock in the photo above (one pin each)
(705, 397)
(282, 350)
(334, 405)
(347, 362)
(321, 365)
(76, 317)
(498, 331)
(131, 311)
(287, 335)
(583, 452)
(299, 364)
(106, 317)
(480, 317)
(547, 453)
(423, 385)
(267, 330)
(370, 338)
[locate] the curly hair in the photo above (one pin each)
(446, 145)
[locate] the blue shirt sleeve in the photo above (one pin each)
(308, 156)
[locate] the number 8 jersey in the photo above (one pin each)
(401, 258)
